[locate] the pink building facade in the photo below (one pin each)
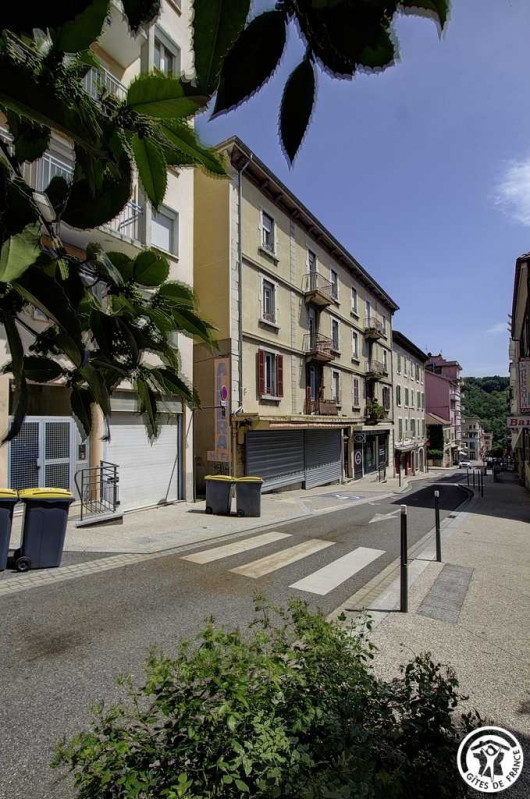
(443, 398)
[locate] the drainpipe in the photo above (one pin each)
(239, 278)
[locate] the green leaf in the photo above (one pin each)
(58, 191)
(97, 387)
(147, 407)
(123, 263)
(81, 404)
(297, 104)
(43, 15)
(150, 268)
(19, 252)
(163, 96)
(438, 7)
(171, 383)
(90, 207)
(242, 786)
(183, 138)
(141, 12)
(151, 168)
(79, 33)
(30, 139)
(40, 369)
(252, 59)
(20, 396)
(103, 264)
(216, 26)
(178, 294)
(191, 324)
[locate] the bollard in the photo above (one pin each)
(404, 562)
(437, 523)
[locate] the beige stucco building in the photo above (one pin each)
(300, 391)
(409, 405)
(49, 450)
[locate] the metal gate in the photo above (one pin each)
(276, 456)
(44, 453)
(323, 457)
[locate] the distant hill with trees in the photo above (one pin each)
(488, 398)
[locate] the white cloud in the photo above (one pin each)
(512, 194)
(500, 327)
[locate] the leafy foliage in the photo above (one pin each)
(292, 709)
(488, 398)
(341, 37)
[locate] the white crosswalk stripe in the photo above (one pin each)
(271, 563)
(329, 577)
(216, 553)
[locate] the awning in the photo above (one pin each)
(407, 447)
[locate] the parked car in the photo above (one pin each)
(465, 464)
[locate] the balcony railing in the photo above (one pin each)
(127, 223)
(321, 407)
(98, 82)
(376, 369)
(49, 167)
(319, 347)
(318, 289)
(373, 327)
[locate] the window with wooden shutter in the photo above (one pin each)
(261, 372)
(279, 375)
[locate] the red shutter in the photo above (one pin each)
(261, 372)
(279, 375)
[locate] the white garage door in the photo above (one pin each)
(149, 473)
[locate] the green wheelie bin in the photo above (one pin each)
(45, 517)
(8, 500)
(219, 493)
(248, 491)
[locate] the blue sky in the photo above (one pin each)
(422, 171)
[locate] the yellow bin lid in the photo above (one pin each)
(249, 480)
(45, 493)
(8, 493)
(221, 477)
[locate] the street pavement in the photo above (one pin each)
(64, 643)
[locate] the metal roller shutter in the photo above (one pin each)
(148, 473)
(323, 457)
(276, 456)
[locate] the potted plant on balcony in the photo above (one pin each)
(374, 411)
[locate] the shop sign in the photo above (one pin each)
(518, 421)
(359, 438)
(524, 385)
(221, 451)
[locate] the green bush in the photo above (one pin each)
(435, 454)
(291, 709)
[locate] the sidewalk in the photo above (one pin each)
(476, 616)
(168, 526)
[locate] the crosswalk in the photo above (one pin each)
(320, 582)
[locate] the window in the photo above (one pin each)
(384, 325)
(405, 366)
(354, 301)
(423, 426)
(164, 230)
(411, 397)
(418, 399)
(422, 399)
(385, 394)
(355, 345)
(406, 398)
(413, 428)
(355, 393)
(385, 361)
(406, 427)
(165, 58)
(417, 372)
(400, 429)
(398, 395)
(368, 312)
(270, 374)
(335, 341)
(311, 262)
(334, 280)
(268, 301)
(335, 387)
(268, 232)
(399, 364)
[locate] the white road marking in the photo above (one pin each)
(216, 553)
(270, 563)
(329, 577)
(382, 517)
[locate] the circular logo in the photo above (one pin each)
(358, 457)
(490, 759)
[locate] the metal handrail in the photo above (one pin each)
(372, 323)
(316, 342)
(97, 487)
(99, 80)
(313, 281)
(375, 368)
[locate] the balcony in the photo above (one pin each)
(376, 369)
(317, 289)
(99, 81)
(318, 347)
(454, 396)
(321, 407)
(116, 38)
(374, 412)
(373, 328)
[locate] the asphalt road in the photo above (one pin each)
(63, 645)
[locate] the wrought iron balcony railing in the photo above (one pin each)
(376, 369)
(373, 327)
(99, 81)
(319, 347)
(318, 289)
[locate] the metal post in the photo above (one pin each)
(467, 475)
(482, 485)
(437, 523)
(473, 478)
(404, 562)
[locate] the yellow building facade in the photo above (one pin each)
(300, 390)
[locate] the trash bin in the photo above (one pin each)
(44, 531)
(249, 496)
(8, 500)
(218, 493)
